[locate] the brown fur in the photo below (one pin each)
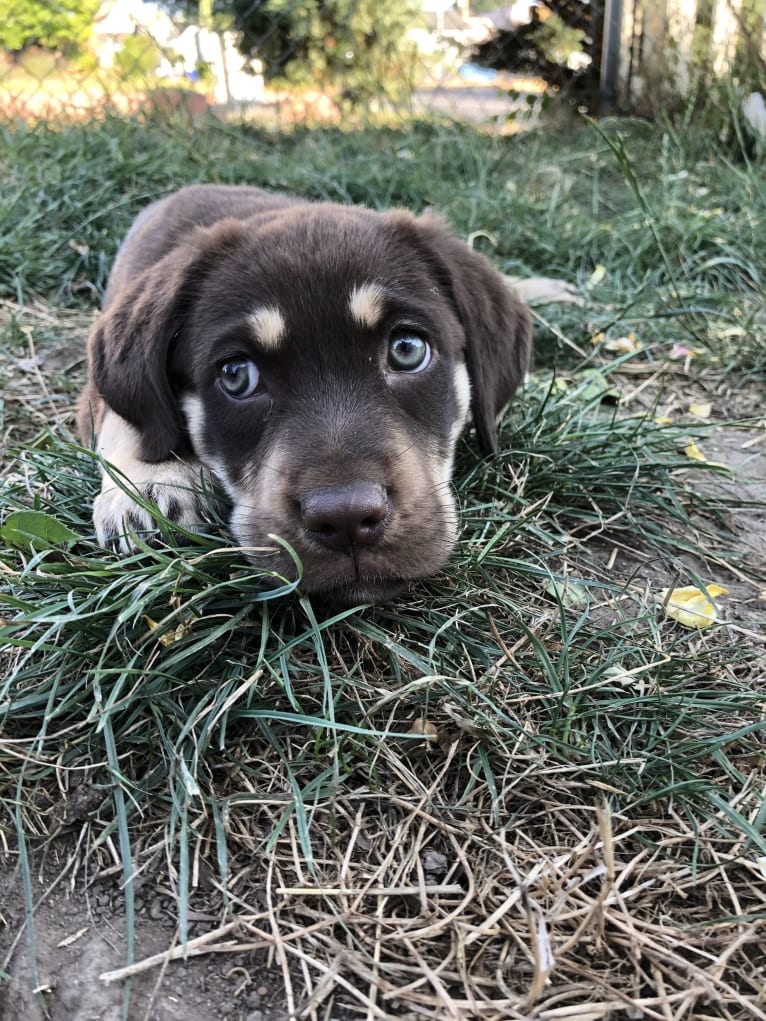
(331, 411)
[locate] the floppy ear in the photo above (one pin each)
(497, 326)
(129, 348)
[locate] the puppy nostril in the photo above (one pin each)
(342, 517)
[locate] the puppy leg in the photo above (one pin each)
(173, 485)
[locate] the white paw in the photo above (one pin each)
(544, 290)
(173, 487)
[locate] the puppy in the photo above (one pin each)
(318, 361)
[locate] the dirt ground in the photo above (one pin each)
(80, 936)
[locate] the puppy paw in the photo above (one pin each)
(172, 487)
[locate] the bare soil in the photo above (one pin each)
(79, 936)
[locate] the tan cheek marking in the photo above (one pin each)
(258, 498)
(463, 394)
(425, 477)
(268, 325)
(194, 414)
(366, 304)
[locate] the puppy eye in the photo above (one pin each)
(239, 377)
(408, 353)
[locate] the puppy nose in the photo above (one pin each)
(344, 516)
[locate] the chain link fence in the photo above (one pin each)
(290, 60)
(331, 61)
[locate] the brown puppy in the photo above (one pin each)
(319, 360)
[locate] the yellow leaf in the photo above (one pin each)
(694, 452)
(596, 276)
(701, 410)
(693, 607)
(168, 637)
(624, 345)
(663, 419)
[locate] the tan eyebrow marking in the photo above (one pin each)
(269, 326)
(366, 304)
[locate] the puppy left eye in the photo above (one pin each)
(408, 353)
(239, 377)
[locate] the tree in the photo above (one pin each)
(359, 48)
(52, 24)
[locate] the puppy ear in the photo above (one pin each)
(130, 345)
(497, 326)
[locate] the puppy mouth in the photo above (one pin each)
(349, 578)
(340, 578)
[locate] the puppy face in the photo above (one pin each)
(321, 361)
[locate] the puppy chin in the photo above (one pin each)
(358, 591)
(336, 586)
(334, 580)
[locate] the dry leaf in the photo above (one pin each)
(624, 345)
(702, 410)
(570, 593)
(596, 276)
(663, 419)
(679, 351)
(693, 451)
(424, 728)
(169, 637)
(693, 607)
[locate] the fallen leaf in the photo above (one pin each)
(169, 637)
(663, 419)
(30, 530)
(693, 451)
(424, 728)
(593, 385)
(569, 593)
(701, 410)
(624, 345)
(692, 607)
(596, 276)
(679, 351)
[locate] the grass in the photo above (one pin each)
(520, 790)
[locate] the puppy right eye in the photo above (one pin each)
(239, 377)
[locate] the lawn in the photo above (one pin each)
(523, 789)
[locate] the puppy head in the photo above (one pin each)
(322, 362)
